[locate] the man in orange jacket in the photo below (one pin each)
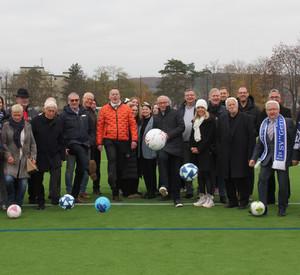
(117, 131)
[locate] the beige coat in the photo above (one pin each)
(11, 150)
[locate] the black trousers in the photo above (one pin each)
(54, 185)
(238, 184)
(115, 152)
(204, 180)
(82, 163)
(148, 167)
(96, 156)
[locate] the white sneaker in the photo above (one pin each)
(209, 202)
(163, 191)
(202, 199)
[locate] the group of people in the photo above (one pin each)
(218, 136)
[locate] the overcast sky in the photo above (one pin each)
(140, 36)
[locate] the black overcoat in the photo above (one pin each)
(234, 147)
(49, 141)
(204, 160)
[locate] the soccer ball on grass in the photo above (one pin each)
(102, 204)
(257, 208)
(67, 202)
(14, 211)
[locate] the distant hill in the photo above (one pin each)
(150, 81)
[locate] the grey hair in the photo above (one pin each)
(71, 94)
(272, 102)
(168, 99)
(50, 103)
(229, 98)
(214, 90)
(17, 108)
(274, 91)
(189, 90)
(87, 93)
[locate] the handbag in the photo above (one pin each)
(30, 166)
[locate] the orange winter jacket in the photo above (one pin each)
(116, 124)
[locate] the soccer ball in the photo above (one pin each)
(156, 139)
(257, 208)
(102, 204)
(188, 171)
(67, 202)
(14, 211)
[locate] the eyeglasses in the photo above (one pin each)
(274, 97)
(74, 100)
(164, 102)
(50, 111)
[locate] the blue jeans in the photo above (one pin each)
(16, 189)
(71, 160)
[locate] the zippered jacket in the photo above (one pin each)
(116, 124)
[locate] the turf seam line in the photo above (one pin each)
(152, 229)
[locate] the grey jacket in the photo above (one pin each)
(11, 150)
(146, 151)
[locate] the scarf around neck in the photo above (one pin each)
(18, 127)
(196, 126)
(280, 142)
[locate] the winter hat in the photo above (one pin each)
(201, 103)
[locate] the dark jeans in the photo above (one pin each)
(54, 185)
(235, 185)
(283, 179)
(115, 152)
(171, 163)
(3, 192)
(82, 163)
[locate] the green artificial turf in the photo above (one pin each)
(151, 239)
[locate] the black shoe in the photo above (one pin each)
(166, 198)
(97, 192)
(230, 205)
(241, 207)
(55, 202)
(223, 200)
(188, 196)
(281, 213)
(40, 207)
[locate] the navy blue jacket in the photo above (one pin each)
(77, 128)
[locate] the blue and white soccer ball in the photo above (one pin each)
(102, 204)
(257, 208)
(67, 202)
(188, 171)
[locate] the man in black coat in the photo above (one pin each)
(47, 132)
(248, 106)
(79, 136)
(169, 158)
(275, 149)
(217, 109)
(285, 112)
(235, 143)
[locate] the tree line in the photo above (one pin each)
(280, 70)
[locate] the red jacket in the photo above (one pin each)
(116, 124)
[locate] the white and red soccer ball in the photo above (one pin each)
(14, 211)
(156, 139)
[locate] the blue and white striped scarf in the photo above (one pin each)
(280, 142)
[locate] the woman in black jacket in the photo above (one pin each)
(202, 140)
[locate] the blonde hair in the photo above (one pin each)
(17, 108)
(206, 115)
